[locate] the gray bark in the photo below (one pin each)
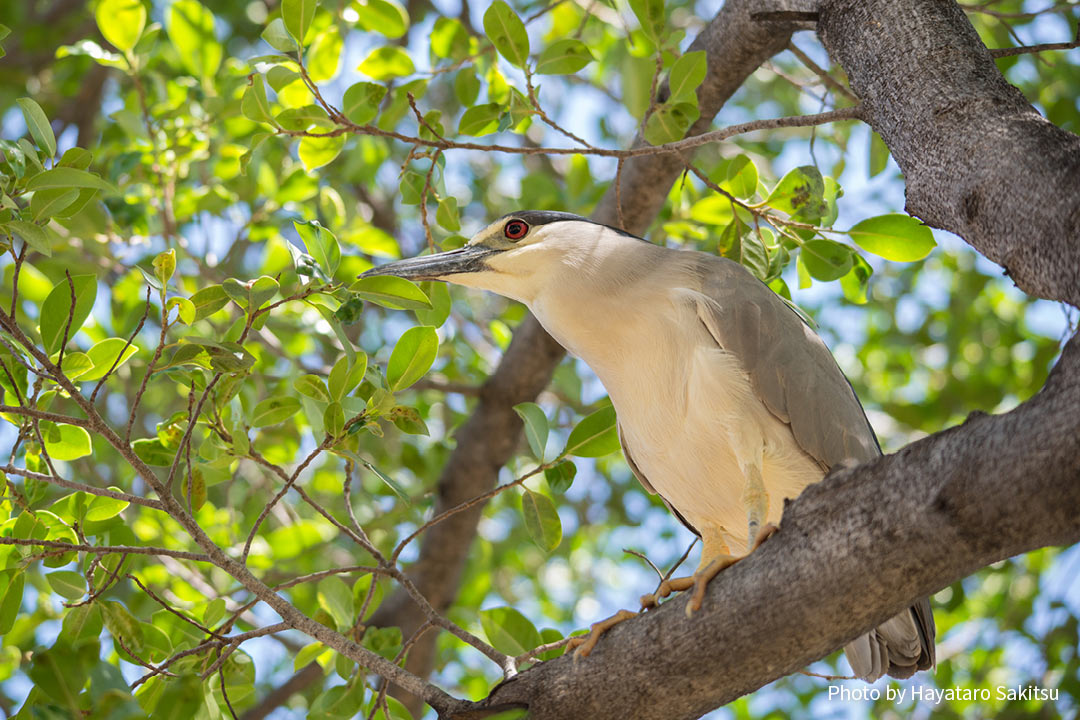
(977, 158)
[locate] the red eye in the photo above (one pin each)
(515, 229)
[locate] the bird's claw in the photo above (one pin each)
(584, 644)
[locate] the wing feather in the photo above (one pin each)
(789, 366)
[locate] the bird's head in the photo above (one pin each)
(517, 255)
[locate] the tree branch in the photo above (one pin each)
(977, 158)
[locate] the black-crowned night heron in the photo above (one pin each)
(727, 402)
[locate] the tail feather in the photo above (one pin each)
(900, 646)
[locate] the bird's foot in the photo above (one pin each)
(584, 644)
(699, 581)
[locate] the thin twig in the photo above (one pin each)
(1028, 49)
(107, 549)
(131, 338)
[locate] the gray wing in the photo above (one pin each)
(648, 485)
(790, 368)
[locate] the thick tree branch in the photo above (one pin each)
(852, 551)
(977, 158)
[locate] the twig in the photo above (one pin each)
(70, 319)
(173, 610)
(822, 73)
(88, 489)
(107, 549)
(131, 338)
(854, 112)
(1028, 49)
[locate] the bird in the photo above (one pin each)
(727, 401)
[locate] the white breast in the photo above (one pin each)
(688, 413)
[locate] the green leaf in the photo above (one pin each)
(439, 293)
(595, 435)
(165, 266)
(878, 155)
(50, 202)
(191, 30)
(383, 16)
(387, 62)
(800, 192)
(185, 312)
(650, 13)
(313, 387)
(346, 375)
(297, 16)
(896, 237)
(76, 364)
(277, 37)
(392, 292)
(857, 280)
(742, 177)
(38, 124)
(686, 75)
(307, 655)
(564, 57)
(536, 427)
(65, 442)
(12, 600)
(334, 419)
(670, 122)
(122, 624)
(449, 39)
(447, 215)
(254, 104)
(103, 508)
(466, 86)
(274, 410)
(121, 22)
(104, 353)
(412, 357)
(560, 476)
(509, 631)
(213, 612)
(541, 520)
(152, 452)
(826, 260)
(68, 177)
(361, 102)
(408, 420)
(209, 300)
(335, 597)
(315, 152)
(480, 119)
(507, 33)
(34, 235)
(67, 584)
(321, 244)
(57, 311)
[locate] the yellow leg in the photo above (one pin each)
(756, 501)
(586, 643)
(715, 557)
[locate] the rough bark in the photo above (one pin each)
(852, 551)
(736, 46)
(977, 158)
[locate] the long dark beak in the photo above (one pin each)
(435, 267)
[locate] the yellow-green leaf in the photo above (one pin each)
(896, 237)
(392, 292)
(191, 30)
(38, 124)
(297, 16)
(121, 22)
(387, 62)
(412, 357)
(595, 435)
(318, 151)
(507, 33)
